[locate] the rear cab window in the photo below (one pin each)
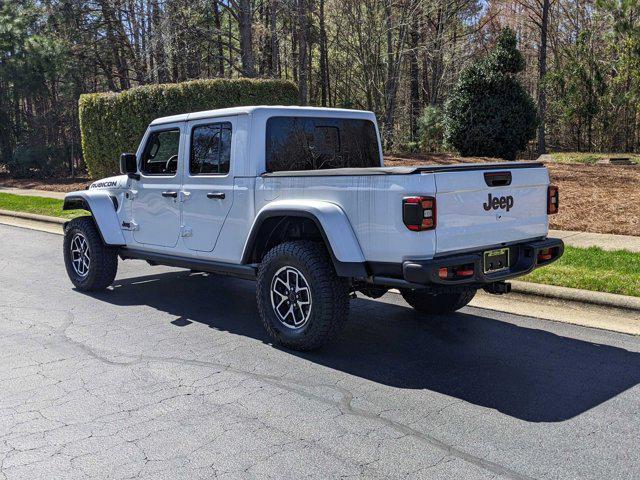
(318, 143)
(210, 149)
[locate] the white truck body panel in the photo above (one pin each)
(463, 222)
(361, 214)
(371, 203)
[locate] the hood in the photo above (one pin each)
(112, 183)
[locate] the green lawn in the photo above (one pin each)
(593, 269)
(590, 158)
(42, 206)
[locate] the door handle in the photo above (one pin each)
(170, 194)
(216, 196)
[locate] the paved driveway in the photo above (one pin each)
(171, 376)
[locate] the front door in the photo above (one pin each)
(156, 196)
(207, 181)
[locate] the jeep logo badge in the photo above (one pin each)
(498, 202)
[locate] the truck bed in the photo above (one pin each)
(349, 172)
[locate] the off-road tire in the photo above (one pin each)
(329, 294)
(103, 259)
(438, 303)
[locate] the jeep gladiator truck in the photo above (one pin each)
(299, 199)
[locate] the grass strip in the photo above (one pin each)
(593, 269)
(590, 158)
(38, 205)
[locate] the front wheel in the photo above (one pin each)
(438, 303)
(91, 265)
(302, 302)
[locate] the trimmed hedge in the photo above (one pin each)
(112, 123)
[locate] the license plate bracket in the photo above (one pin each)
(496, 260)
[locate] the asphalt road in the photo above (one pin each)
(170, 375)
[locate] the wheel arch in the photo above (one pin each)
(103, 211)
(278, 221)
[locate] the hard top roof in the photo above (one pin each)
(270, 110)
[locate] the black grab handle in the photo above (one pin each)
(497, 179)
(218, 195)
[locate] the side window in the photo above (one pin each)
(160, 156)
(315, 143)
(210, 149)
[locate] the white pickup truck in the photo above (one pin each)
(300, 200)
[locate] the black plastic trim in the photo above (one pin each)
(424, 273)
(75, 203)
(343, 269)
(247, 272)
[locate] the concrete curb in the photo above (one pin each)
(602, 299)
(33, 216)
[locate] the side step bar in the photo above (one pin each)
(247, 272)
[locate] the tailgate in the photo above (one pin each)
(478, 209)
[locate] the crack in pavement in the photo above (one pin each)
(298, 387)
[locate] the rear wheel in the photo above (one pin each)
(302, 302)
(91, 265)
(438, 303)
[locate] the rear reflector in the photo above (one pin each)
(545, 254)
(419, 213)
(456, 271)
(553, 200)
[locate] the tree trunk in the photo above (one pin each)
(414, 75)
(274, 64)
(218, 25)
(542, 71)
(303, 80)
(245, 25)
(324, 61)
(162, 74)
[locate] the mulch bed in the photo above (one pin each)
(53, 184)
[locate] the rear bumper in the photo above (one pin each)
(425, 273)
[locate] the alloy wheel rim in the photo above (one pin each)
(291, 297)
(80, 259)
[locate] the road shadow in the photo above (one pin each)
(527, 373)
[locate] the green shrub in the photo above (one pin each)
(431, 129)
(112, 123)
(489, 113)
(32, 159)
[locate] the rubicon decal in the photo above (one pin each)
(103, 184)
(496, 203)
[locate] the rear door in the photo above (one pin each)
(208, 181)
(481, 208)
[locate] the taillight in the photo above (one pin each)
(553, 200)
(419, 213)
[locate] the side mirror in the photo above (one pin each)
(129, 165)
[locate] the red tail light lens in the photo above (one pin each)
(419, 213)
(553, 199)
